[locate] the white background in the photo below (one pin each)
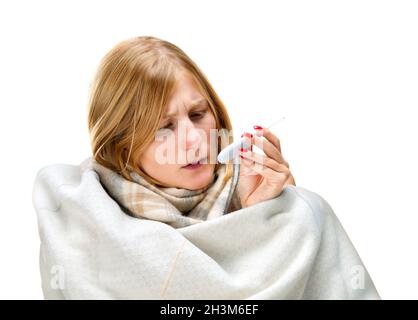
(344, 73)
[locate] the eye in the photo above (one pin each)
(198, 115)
(168, 126)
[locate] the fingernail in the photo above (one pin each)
(249, 135)
(257, 128)
(242, 150)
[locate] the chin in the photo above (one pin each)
(195, 186)
(198, 182)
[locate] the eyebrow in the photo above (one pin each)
(192, 106)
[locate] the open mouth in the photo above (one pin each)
(195, 164)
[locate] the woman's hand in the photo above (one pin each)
(262, 177)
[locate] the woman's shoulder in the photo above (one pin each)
(50, 178)
(312, 198)
(316, 203)
(58, 173)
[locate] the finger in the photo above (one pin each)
(269, 149)
(265, 145)
(291, 180)
(249, 139)
(266, 133)
(271, 175)
(263, 160)
(273, 139)
(246, 167)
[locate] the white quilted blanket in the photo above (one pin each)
(290, 247)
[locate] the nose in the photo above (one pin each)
(193, 138)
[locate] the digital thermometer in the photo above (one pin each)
(232, 150)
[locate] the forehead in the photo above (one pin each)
(185, 95)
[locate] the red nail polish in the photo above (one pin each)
(258, 128)
(242, 150)
(241, 157)
(249, 135)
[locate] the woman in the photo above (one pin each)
(141, 81)
(128, 221)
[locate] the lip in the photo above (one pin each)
(194, 165)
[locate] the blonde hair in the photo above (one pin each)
(128, 97)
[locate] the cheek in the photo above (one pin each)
(160, 153)
(210, 123)
(207, 125)
(147, 158)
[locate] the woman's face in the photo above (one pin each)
(183, 138)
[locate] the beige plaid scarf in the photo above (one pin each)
(174, 206)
